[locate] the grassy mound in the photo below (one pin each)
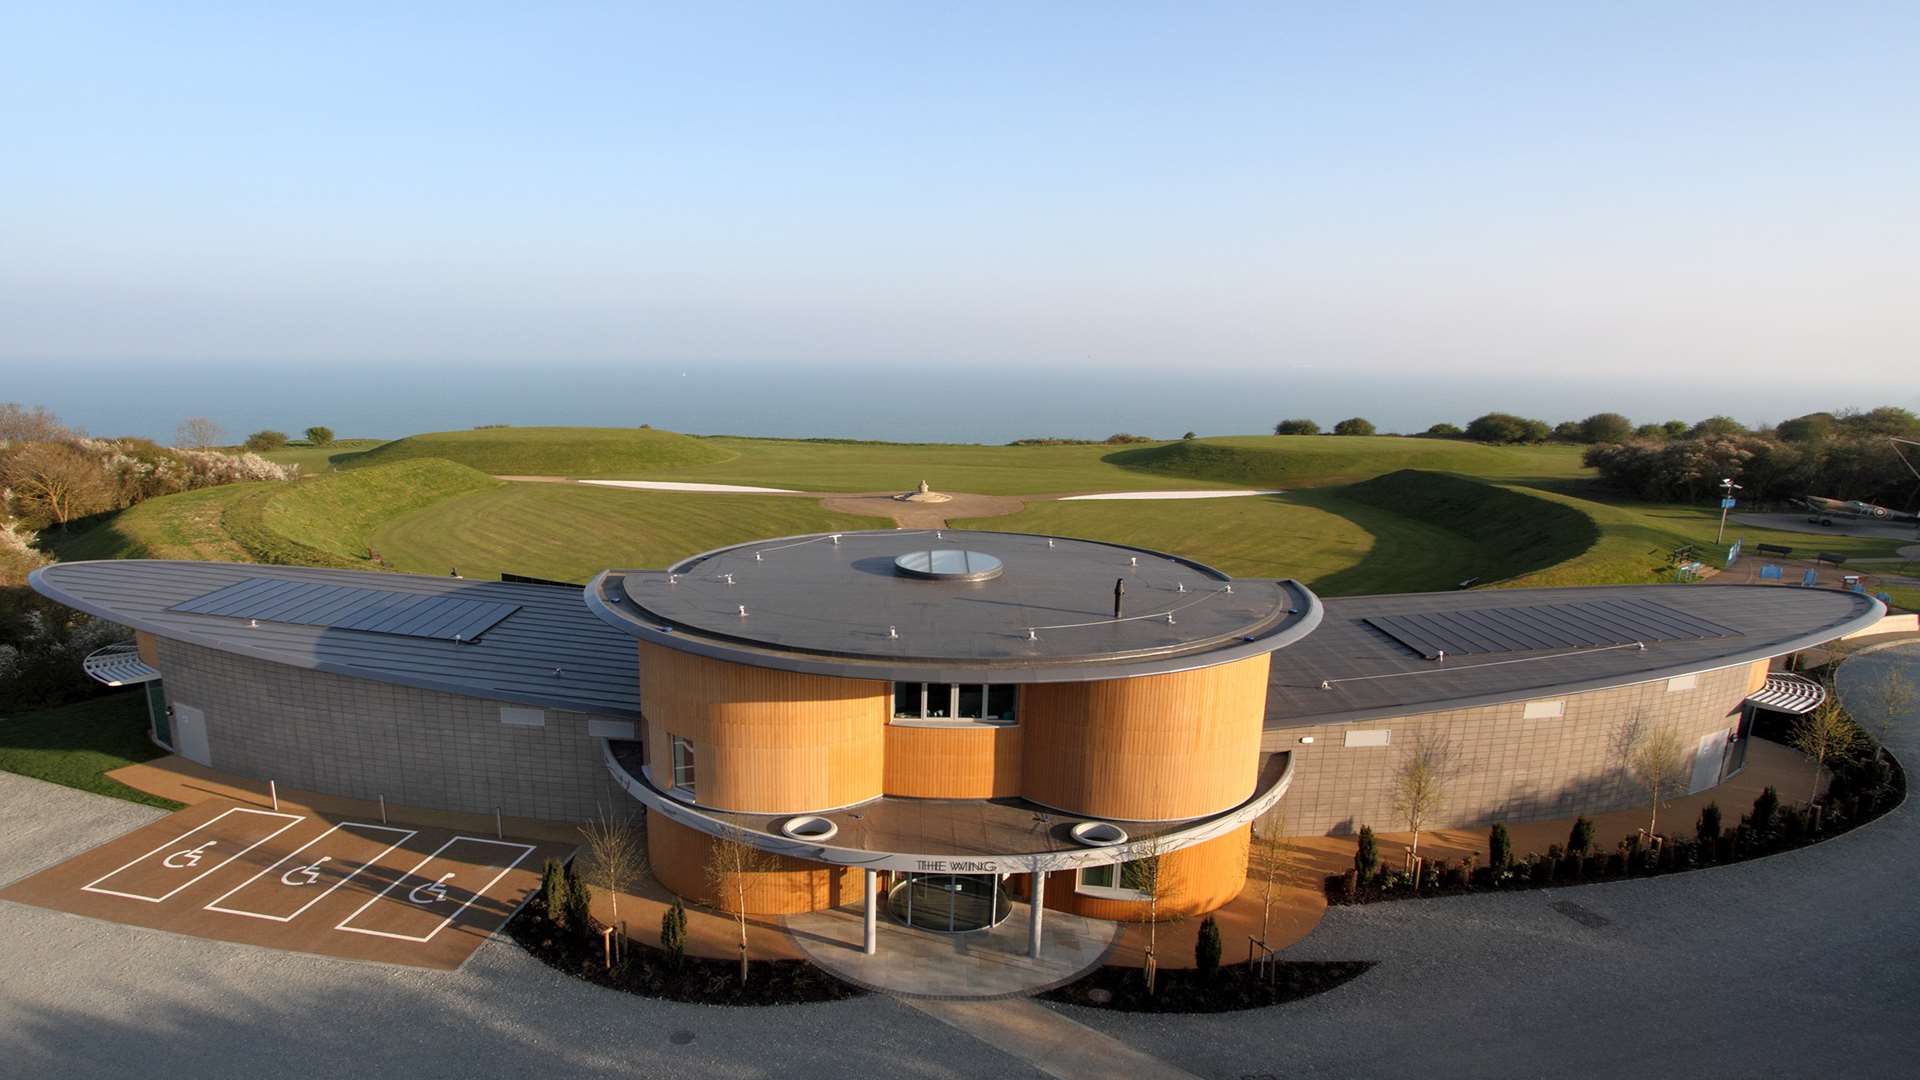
(1297, 461)
(1508, 532)
(328, 521)
(324, 521)
(633, 453)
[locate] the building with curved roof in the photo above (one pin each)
(965, 722)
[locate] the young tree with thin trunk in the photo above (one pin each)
(732, 863)
(616, 855)
(1656, 755)
(198, 433)
(1825, 734)
(1421, 783)
(1147, 874)
(1273, 860)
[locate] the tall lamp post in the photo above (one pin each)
(1727, 488)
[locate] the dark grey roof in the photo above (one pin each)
(835, 604)
(1369, 674)
(515, 660)
(1508, 627)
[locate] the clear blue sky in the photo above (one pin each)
(1507, 192)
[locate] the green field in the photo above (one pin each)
(570, 533)
(1357, 515)
(1262, 461)
(314, 460)
(77, 745)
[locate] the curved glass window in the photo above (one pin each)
(949, 903)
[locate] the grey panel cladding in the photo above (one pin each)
(1514, 769)
(340, 735)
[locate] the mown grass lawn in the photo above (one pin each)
(314, 460)
(1297, 535)
(184, 526)
(77, 745)
(570, 533)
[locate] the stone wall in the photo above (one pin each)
(1512, 768)
(355, 737)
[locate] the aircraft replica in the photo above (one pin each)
(1822, 511)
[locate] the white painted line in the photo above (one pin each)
(292, 820)
(405, 835)
(1225, 494)
(671, 485)
(525, 850)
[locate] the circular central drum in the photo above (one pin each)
(948, 564)
(949, 903)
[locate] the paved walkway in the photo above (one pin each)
(1055, 1044)
(983, 964)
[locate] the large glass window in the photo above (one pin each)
(970, 702)
(683, 775)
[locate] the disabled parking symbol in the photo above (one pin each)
(308, 874)
(434, 891)
(186, 858)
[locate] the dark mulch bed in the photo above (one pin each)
(645, 969)
(1233, 987)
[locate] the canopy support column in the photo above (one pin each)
(872, 915)
(1039, 904)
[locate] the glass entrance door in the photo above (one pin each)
(949, 903)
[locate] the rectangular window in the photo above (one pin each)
(1682, 682)
(964, 702)
(611, 729)
(907, 699)
(1117, 881)
(683, 775)
(1369, 738)
(971, 702)
(1000, 703)
(1543, 710)
(939, 701)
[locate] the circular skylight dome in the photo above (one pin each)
(948, 564)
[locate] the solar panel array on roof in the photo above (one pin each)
(341, 607)
(1543, 627)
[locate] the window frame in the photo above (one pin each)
(676, 745)
(952, 717)
(1116, 891)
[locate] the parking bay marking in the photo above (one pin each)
(434, 890)
(191, 857)
(309, 872)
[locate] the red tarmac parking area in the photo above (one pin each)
(303, 881)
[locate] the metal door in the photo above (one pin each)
(190, 734)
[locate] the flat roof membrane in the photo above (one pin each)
(342, 607)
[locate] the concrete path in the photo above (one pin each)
(981, 964)
(1055, 1044)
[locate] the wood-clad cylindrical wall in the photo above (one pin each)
(953, 762)
(149, 652)
(679, 857)
(1193, 881)
(765, 741)
(1151, 748)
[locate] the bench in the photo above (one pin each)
(1774, 549)
(1829, 557)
